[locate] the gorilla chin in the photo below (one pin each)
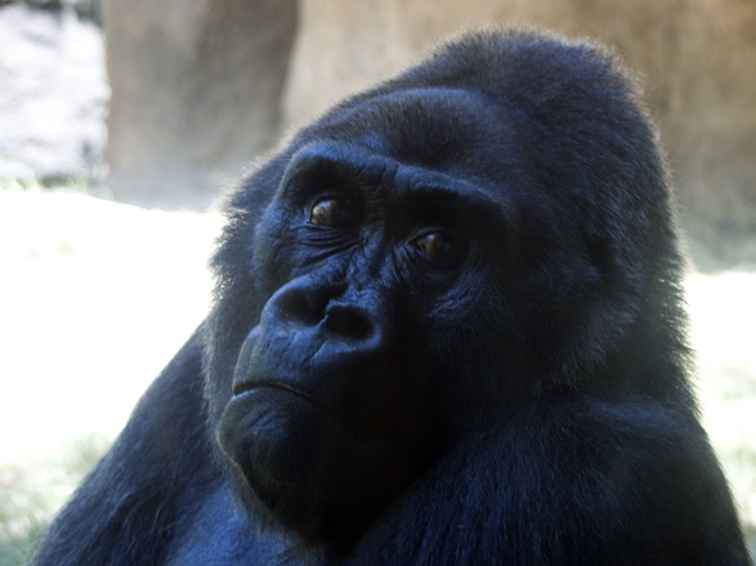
(298, 459)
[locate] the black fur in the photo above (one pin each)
(358, 397)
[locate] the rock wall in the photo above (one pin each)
(53, 97)
(196, 90)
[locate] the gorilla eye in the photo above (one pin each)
(438, 248)
(331, 212)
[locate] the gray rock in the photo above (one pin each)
(53, 97)
(196, 93)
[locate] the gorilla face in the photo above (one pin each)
(373, 268)
(406, 273)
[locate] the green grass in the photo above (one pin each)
(28, 501)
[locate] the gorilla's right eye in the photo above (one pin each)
(332, 212)
(439, 248)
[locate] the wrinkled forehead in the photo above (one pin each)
(446, 128)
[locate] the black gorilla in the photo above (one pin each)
(447, 330)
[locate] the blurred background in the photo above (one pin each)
(123, 123)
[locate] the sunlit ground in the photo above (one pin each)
(95, 298)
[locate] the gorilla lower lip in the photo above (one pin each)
(245, 387)
(275, 437)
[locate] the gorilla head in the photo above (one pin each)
(428, 259)
(447, 330)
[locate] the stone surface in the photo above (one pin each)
(196, 90)
(53, 96)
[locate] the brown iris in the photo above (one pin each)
(330, 212)
(437, 248)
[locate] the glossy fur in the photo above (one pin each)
(447, 330)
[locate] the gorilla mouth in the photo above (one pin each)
(297, 458)
(263, 423)
(239, 389)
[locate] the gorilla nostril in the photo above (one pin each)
(348, 322)
(300, 306)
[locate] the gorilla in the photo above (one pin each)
(447, 329)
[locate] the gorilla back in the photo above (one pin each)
(447, 330)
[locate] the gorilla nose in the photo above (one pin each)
(351, 322)
(332, 313)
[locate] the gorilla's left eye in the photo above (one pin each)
(438, 248)
(332, 212)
